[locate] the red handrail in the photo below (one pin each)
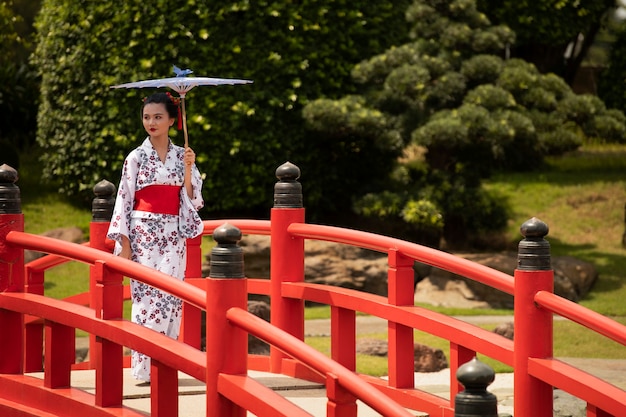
(187, 293)
(419, 318)
(424, 254)
(466, 339)
(583, 316)
(316, 360)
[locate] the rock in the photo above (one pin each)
(372, 347)
(255, 345)
(426, 358)
(505, 329)
(68, 234)
(573, 279)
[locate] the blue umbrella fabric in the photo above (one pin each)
(181, 84)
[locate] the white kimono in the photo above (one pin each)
(156, 240)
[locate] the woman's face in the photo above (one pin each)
(156, 120)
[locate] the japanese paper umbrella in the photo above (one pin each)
(181, 83)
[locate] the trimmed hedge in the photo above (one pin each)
(294, 52)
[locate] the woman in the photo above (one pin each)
(155, 212)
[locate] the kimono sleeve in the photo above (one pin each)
(190, 223)
(120, 220)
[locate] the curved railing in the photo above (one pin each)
(465, 339)
(167, 354)
(24, 310)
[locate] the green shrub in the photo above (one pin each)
(607, 129)
(517, 79)
(557, 142)
(538, 98)
(422, 214)
(482, 69)
(490, 97)
(293, 51)
(580, 109)
(472, 113)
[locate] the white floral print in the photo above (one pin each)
(157, 240)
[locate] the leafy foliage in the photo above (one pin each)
(293, 51)
(450, 93)
(18, 86)
(611, 87)
(545, 28)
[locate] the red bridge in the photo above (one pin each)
(38, 332)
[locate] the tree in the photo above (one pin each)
(611, 87)
(18, 81)
(293, 51)
(553, 35)
(461, 112)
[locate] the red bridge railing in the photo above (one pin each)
(33, 324)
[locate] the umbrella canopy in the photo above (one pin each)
(182, 84)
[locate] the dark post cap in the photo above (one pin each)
(288, 191)
(104, 202)
(475, 400)
(534, 250)
(227, 256)
(10, 199)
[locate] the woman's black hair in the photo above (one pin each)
(162, 98)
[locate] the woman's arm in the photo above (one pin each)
(189, 158)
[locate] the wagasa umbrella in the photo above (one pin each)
(181, 83)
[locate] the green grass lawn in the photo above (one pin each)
(581, 196)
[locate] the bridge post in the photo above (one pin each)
(11, 272)
(533, 325)
(475, 400)
(401, 344)
(286, 257)
(191, 325)
(226, 345)
(101, 211)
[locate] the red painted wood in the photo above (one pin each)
(68, 402)
(123, 332)
(314, 359)
(400, 337)
(533, 339)
(227, 345)
(414, 399)
(257, 398)
(287, 265)
(11, 256)
(534, 305)
(430, 256)
(343, 337)
(341, 403)
(33, 329)
(109, 365)
(608, 399)
(11, 342)
(97, 240)
(581, 315)
(191, 325)
(458, 356)
(60, 343)
(163, 390)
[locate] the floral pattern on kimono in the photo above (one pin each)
(157, 240)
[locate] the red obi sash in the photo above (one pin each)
(161, 199)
